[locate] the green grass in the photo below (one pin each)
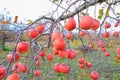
(108, 67)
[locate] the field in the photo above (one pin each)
(108, 67)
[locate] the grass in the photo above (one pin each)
(108, 67)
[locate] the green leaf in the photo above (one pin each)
(118, 13)
(101, 11)
(55, 1)
(100, 17)
(107, 12)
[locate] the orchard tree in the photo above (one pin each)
(8, 28)
(54, 52)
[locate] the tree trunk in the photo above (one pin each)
(3, 41)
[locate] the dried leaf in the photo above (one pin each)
(75, 42)
(107, 12)
(16, 19)
(29, 22)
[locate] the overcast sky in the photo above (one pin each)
(32, 9)
(26, 9)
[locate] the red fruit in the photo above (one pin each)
(40, 28)
(37, 73)
(64, 68)
(56, 35)
(103, 49)
(72, 54)
(82, 33)
(25, 69)
(55, 51)
(96, 24)
(3, 72)
(118, 50)
(37, 63)
(18, 67)
(59, 44)
(116, 34)
(50, 57)
(42, 53)
(13, 57)
(88, 64)
(23, 47)
(36, 57)
(81, 66)
(107, 54)
(118, 56)
(101, 44)
(106, 34)
(81, 60)
(86, 22)
(32, 33)
(94, 75)
(56, 67)
(70, 24)
(91, 45)
(63, 54)
(116, 24)
(13, 76)
(69, 36)
(107, 25)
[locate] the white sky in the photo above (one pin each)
(26, 9)
(32, 9)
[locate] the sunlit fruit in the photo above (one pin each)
(37, 73)
(32, 33)
(13, 76)
(96, 24)
(50, 57)
(116, 24)
(118, 50)
(36, 57)
(72, 54)
(81, 66)
(69, 36)
(82, 33)
(118, 56)
(70, 24)
(56, 67)
(94, 75)
(55, 51)
(88, 64)
(106, 34)
(107, 25)
(56, 35)
(40, 28)
(23, 47)
(107, 54)
(103, 49)
(86, 22)
(116, 34)
(37, 63)
(59, 44)
(91, 45)
(13, 56)
(25, 69)
(81, 60)
(18, 67)
(3, 72)
(101, 44)
(42, 53)
(63, 54)
(64, 68)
